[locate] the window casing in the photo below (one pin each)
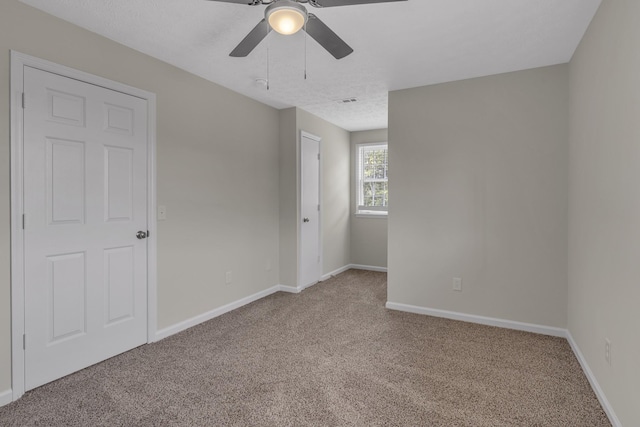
(372, 183)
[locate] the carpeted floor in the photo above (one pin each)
(330, 356)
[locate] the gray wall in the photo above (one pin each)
(368, 234)
(217, 176)
(288, 170)
(604, 202)
(482, 195)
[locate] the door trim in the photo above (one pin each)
(303, 133)
(18, 62)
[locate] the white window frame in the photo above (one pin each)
(367, 211)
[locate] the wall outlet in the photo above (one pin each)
(162, 213)
(457, 284)
(607, 351)
(227, 278)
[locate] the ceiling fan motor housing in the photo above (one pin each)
(286, 16)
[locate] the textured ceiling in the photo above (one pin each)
(396, 46)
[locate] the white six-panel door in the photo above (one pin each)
(85, 198)
(310, 268)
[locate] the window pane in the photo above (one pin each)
(369, 171)
(375, 193)
(368, 188)
(381, 194)
(373, 170)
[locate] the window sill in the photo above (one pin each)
(377, 215)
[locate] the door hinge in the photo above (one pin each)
(318, 208)
(24, 341)
(318, 153)
(24, 100)
(23, 221)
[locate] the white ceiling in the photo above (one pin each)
(396, 46)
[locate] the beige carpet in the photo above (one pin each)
(330, 356)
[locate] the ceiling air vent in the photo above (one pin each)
(347, 100)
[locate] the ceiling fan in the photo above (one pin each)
(290, 16)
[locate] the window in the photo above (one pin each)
(372, 186)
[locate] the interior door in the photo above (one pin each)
(310, 269)
(85, 198)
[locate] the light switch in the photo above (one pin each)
(162, 213)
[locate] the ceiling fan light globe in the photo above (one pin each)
(286, 17)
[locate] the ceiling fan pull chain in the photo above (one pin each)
(268, 46)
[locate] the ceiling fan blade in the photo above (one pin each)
(247, 2)
(327, 38)
(252, 39)
(332, 3)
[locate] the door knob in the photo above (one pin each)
(305, 220)
(141, 235)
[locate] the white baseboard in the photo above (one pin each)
(606, 406)
(6, 397)
(290, 289)
(490, 321)
(368, 267)
(349, 267)
(186, 324)
(335, 272)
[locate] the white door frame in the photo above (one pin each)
(299, 216)
(18, 62)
